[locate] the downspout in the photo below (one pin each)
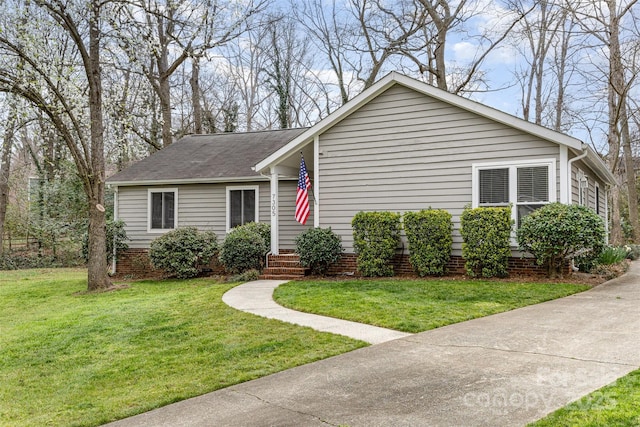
(115, 218)
(581, 156)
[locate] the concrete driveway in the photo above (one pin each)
(503, 370)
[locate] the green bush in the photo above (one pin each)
(486, 234)
(557, 233)
(116, 236)
(376, 236)
(244, 249)
(318, 248)
(263, 229)
(182, 251)
(429, 235)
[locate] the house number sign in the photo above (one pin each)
(273, 204)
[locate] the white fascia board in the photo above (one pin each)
(187, 181)
(599, 166)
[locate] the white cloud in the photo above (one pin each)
(464, 51)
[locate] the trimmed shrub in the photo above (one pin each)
(486, 234)
(244, 249)
(263, 229)
(318, 248)
(557, 233)
(182, 251)
(429, 235)
(376, 236)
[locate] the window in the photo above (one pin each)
(494, 187)
(242, 205)
(533, 190)
(162, 212)
(525, 185)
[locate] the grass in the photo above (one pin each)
(415, 305)
(614, 405)
(72, 358)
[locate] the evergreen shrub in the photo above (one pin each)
(556, 233)
(245, 247)
(318, 248)
(376, 235)
(429, 235)
(486, 234)
(182, 251)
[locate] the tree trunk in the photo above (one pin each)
(615, 235)
(5, 168)
(97, 263)
(164, 95)
(195, 95)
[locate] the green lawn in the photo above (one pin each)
(415, 305)
(617, 404)
(71, 358)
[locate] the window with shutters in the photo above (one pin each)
(162, 209)
(242, 205)
(526, 186)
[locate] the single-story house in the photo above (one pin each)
(400, 145)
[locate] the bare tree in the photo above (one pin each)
(171, 32)
(329, 29)
(443, 18)
(603, 22)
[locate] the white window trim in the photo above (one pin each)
(150, 191)
(256, 188)
(513, 179)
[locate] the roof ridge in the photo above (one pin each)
(243, 132)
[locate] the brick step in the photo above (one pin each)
(294, 271)
(284, 257)
(287, 263)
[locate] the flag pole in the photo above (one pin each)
(313, 193)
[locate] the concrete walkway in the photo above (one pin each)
(257, 298)
(502, 370)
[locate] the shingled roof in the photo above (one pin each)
(206, 158)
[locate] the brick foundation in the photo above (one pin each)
(135, 264)
(401, 266)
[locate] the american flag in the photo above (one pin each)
(302, 196)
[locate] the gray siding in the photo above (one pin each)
(591, 189)
(406, 151)
(201, 205)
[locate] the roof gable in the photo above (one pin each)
(206, 158)
(394, 78)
